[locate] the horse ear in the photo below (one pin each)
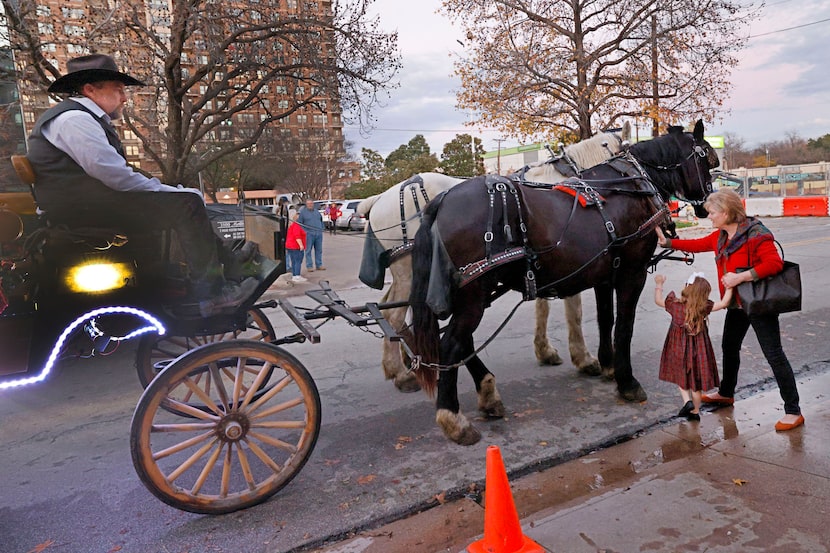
(626, 131)
(698, 132)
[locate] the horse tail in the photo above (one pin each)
(425, 333)
(364, 206)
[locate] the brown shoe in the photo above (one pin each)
(717, 399)
(784, 426)
(321, 268)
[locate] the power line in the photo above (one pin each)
(790, 28)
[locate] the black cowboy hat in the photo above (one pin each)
(90, 69)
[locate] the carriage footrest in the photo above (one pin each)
(298, 319)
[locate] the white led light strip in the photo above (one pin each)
(155, 325)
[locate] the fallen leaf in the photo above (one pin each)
(399, 446)
(42, 546)
(441, 498)
(331, 462)
(739, 482)
(366, 479)
(543, 443)
(405, 439)
(115, 549)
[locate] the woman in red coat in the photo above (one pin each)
(744, 251)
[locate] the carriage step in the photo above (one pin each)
(298, 319)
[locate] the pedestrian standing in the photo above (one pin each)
(295, 244)
(744, 251)
(334, 213)
(312, 223)
(688, 359)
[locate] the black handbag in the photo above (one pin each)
(779, 293)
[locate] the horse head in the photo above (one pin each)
(680, 164)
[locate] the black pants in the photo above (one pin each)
(768, 333)
(140, 213)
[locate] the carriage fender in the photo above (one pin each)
(374, 262)
(440, 277)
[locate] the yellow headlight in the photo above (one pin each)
(98, 277)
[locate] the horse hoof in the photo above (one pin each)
(593, 369)
(407, 383)
(456, 427)
(493, 411)
(549, 357)
(634, 394)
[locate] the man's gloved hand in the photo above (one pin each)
(193, 190)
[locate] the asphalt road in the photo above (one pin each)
(69, 484)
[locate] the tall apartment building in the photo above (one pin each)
(314, 130)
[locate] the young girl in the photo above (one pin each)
(688, 359)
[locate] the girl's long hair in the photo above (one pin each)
(696, 297)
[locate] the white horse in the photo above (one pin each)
(394, 220)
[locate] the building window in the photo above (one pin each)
(320, 119)
(44, 11)
(45, 28)
(282, 104)
(132, 151)
(302, 119)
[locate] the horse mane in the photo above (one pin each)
(586, 153)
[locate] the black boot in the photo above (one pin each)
(687, 408)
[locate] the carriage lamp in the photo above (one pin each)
(99, 277)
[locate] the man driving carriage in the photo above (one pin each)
(84, 180)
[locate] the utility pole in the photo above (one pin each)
(498, 155)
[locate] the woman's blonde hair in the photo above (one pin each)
(696, 296)
(729, 202)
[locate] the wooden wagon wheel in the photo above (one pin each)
(156, 352)
(242, 447)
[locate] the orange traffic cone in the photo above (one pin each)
(502, 530)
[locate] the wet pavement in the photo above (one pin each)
(728, 483)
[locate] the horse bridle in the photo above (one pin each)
(698, 152)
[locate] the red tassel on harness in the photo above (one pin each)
(583, 201)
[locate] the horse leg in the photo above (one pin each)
(456, 345)
(546, 354)
(489, 399)
(628, 290)
(392, 362)
(604, 294)
(580, 356)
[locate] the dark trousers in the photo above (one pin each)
(138, 214)
(768, 333)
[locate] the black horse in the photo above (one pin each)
(489, 235)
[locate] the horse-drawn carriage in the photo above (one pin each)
(228, 417)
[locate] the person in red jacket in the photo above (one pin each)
(295, 242)
(744, 251)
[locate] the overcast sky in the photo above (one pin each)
(782, 84)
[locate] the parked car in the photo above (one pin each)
(357, 222)
(320, 205)
(346, 211)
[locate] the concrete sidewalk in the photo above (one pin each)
(730, 483)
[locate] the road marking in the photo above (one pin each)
(808, 242)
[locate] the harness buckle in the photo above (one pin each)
(531, 276)
(501, 187)
(488, 236)
(609, 226)
(523, 227)
(616, 263)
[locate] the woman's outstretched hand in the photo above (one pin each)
(662, 241)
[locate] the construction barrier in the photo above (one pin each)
(790, 206)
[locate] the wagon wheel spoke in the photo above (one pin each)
(238, 387)
(277, 408)
(177, 406)
(278, 387)
(264, 372)
(276, 442)
(227, 465)
(187, 444)
(220, 386)
(206, 470)
(246, 468)
(190, 461)
(264, 457)
(203, 394)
